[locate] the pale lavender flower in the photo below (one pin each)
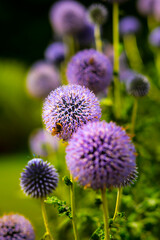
(101, 155)
(154, 37)
(91, 69)
(40, 141)
(70, 107)
(56, 52)
(41, 79)
(67, 17)
(39, 178)
(129, 25)
(149, 8)
(15, 226)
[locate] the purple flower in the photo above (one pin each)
(138, 85)
(101, 155)
(15, 226)
(40, 140)
(154, 37)
(67, 17)
(91, 69)
(39, 178)
(41, 79)
(56, 52)
(97, 14)
(149, 7)
(129, 25)
(68, 108)
(126, 75)
(86, 35)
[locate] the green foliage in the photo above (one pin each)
(62, 208)
(67, 181)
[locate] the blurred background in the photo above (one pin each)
(25, 34)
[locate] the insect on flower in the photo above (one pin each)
(57, 129)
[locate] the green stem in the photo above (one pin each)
(116, 59)
(105, 213)
(44, 214)
(131, 48)
(158, 66)
(73, 210)
(118, 201)
(134, 114)
(98, 41)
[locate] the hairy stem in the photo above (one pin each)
(105, 213)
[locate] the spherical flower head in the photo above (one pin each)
(154, 38)
(101, 155)
(86, 36)
(138, 85)
(69, 106)
(97, 14)
(91, 69)
(41, 79)
(40, 140)
(15, 226)
(56, 52)
(129, 25)
(67, 17)
(39, 178)
(149, 8)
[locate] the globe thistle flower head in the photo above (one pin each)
(129, 25)
(91, 69)
(39, 178)
(68, 108)
(40, 140)
(56, 52)
(97, 14)
(138, 85)
(86, 36)
(41, 79)
(101, 155)
(154, 38)
(149, 8)
(15, 226)
(67, 17)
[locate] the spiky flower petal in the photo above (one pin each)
(101, 155)
(39, 178)
(15, 226)
(97, 13)
(138, 85)
(71, 106)
(91, 69)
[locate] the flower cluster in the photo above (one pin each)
(101, 155)
(91, 69)
(15, 226)
(70, 106)
(39, 178)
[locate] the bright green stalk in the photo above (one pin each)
(44, 214)
(134, 114)
(73, 209)
(158, 65)
(131, 48)
(116, 59)
(98, 41)
(105, 213)
(118, 201)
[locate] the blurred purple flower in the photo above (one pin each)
(154, 37)
(129, 25)
(101, 155)
(126, 75)
(39, 178)
(15, 226)
(41, 79)
(67, 17)
(56, 52)
(40, 140)
(86, 36)
(91, 69)
(70, 106)
(149, 7)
